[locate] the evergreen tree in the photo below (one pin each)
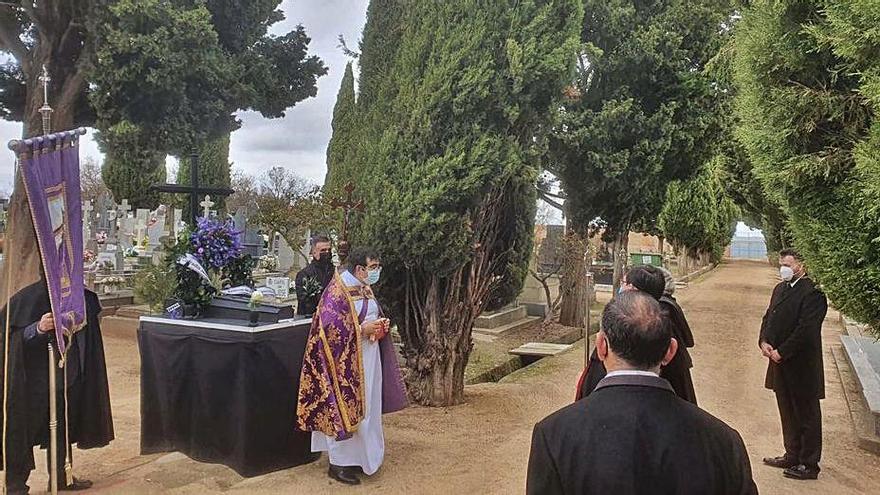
(344, 132)
(698, 216)
(449, 181)
(807, 77)
(178, 72)
(646, 114)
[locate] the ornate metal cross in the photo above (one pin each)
(46, 110)
(347, 206)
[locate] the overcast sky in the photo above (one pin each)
(299, 140)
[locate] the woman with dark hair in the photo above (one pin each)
(650, 280)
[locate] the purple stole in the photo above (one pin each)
(331, 391)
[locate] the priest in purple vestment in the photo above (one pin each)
(350, 374)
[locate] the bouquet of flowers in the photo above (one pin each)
(215, 243)
(268, 262)
(89, 256)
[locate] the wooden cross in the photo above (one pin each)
(347, 206)
(194, 189)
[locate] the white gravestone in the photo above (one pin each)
(141, 219)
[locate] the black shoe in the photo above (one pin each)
(801, 472)
(76, 486)
(780, 462)
(343, 475)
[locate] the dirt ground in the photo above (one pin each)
(482, 446)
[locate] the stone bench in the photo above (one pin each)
(539, 349)
(863, 354)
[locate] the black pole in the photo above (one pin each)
(194, 183)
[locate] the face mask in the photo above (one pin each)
(786, 273)
(324, 258)
(373, 276)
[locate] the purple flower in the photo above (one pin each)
(217, 243)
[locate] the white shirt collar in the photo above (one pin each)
(350, 280)
(631, 373)
(795, 281)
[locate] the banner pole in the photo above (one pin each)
(53, 423)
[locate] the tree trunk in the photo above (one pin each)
(574, 308)
(573, 285)
(437, 369)
(20, 240)
(620, 257)
(662, 242)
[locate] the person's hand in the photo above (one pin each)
(47, 323)
(376, 329)
(766, 349)
(775, 356)
(371, 327)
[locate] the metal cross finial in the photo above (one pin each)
(46, 110)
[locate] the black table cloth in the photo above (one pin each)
(223, 396)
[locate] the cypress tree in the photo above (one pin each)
(647, 113)
(131, 165)
(450, 178)
(698, 216)
(807, 76)
(344, 129)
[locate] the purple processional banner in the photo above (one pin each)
(50, 168)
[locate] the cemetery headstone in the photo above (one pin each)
(141, 219)
(252, 238)
(87, 232)
(156, 227)
(286, 255)
(178, 221)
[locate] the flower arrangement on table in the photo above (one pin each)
(268, 262)
(253, 304)
(198, 265)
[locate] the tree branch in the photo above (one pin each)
(10, 41)
(550, 201)
(36, 19)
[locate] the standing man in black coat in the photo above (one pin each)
(791, 339)
(633, 435)
(90, 423)
(313, 279)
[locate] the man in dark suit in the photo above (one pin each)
(633, 435)
(791, 339)
(313, 279)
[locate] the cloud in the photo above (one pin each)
(299, 140)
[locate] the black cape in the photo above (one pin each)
(91, 423)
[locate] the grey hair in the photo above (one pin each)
(670, 282)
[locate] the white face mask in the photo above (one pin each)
(786, 273)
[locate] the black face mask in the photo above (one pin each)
(324, 258)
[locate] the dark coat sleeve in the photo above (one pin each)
(762, 336)
(543, 476)
(809, 326)
(745, 484)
